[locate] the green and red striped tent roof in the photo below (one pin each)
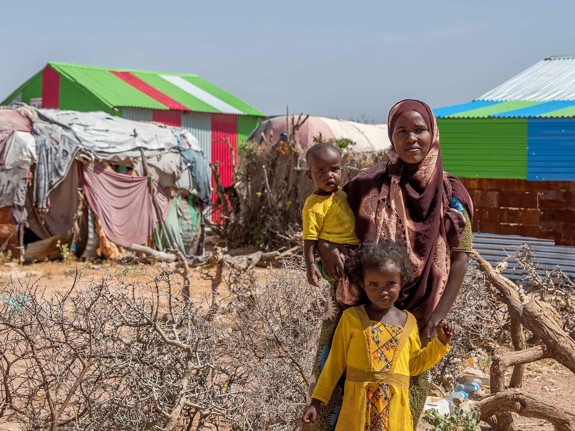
(117, 87)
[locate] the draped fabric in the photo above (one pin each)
(123, 204)
(16, 156)
(412, 207)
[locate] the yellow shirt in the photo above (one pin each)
(329, 217)
(349, 353)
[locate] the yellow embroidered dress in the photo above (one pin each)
(378, 360)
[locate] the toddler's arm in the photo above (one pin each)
(313, 275)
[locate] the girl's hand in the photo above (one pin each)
(445, 331)
(310, 413)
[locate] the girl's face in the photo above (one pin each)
(382, 284)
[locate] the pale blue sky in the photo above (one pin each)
(336, 58)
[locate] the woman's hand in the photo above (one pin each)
(445, 331)
(459, 262)
(428, 332)
(331, 258)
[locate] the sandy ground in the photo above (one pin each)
(546, 379)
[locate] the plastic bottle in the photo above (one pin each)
(457, 394)
(468, 387)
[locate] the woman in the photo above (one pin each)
(410, 200)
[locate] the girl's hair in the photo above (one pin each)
(371, 255)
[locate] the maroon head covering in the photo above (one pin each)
(412, 207)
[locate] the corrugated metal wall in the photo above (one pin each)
(200, 125)
(224, 130)
(137, 114)
(484, 148)
(169, 118)
(551, 149)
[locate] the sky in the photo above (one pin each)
(343, 59)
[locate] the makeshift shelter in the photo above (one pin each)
(215, 117)
(514, 149)
(366, 137)
(83, 179)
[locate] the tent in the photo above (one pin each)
(83, 178)
(367, 137)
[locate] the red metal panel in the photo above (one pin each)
(50, 88)
(169, 118)
(150, 91)
(224, 135)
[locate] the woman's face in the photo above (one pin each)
(411, 137)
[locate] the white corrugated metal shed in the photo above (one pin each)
(550, 79)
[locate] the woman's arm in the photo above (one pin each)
(331, 257)
(459, 262)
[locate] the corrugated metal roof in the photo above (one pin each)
(545, 254)
(509, 109)
(550, 79)
(191, 91)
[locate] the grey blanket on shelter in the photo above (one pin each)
(113, 137)
(56, 148)
(196, 164)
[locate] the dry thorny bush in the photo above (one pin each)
(123, 356)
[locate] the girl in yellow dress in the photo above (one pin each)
(377, 347)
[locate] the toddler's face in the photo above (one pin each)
(325, 171)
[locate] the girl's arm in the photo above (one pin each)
(336, 362)
(459, 262)
(310, 413)
(423, 358)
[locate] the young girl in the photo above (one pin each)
(377, 346)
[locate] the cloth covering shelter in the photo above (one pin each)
(367, 137)
(53, 161)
